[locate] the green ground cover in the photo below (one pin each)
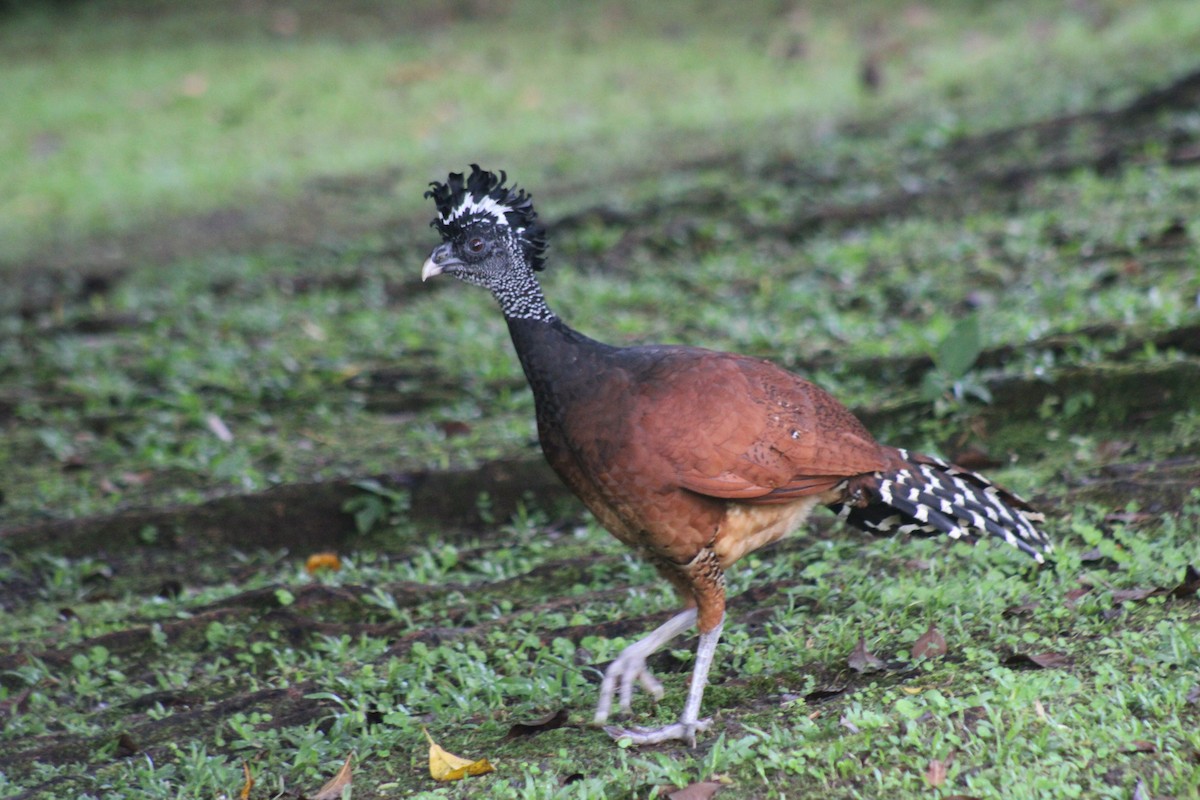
(211, 229)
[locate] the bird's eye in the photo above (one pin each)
(475, 245)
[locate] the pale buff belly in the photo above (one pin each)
(746, 528)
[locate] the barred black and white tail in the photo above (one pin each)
(930, 496)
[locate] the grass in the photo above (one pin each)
(1120, 713)
(711, 178)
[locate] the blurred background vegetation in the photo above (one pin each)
(122, 112)
(213, 207)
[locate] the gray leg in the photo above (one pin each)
(630, 665)
(689, 722)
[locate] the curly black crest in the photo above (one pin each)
(483, 197)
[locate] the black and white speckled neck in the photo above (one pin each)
(520, 296)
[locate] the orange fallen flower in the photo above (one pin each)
(319, 561)
(244, 794)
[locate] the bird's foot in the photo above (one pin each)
(681, 731)
(628, 669)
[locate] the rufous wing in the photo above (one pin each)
(751, 431)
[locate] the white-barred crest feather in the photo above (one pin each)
(485, 206)
(482, 198)
(933, 496)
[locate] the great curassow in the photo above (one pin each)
(693, 457)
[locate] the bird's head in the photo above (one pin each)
(490, 231)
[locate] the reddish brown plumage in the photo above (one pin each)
(677, 450)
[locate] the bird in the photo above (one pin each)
(693, 457)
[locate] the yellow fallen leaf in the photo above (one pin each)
(445, 766)
(337, 784)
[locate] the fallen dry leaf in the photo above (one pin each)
(1040, 660)
(1022, 610)
(322, 561)
(976, 459)
(1075, 594)
(1130, 517)
(821, 695)
(1121, 595)
(701, 790)
(935, 774)
(555, 719)
(861, 660)
(127, 746)
(452, 427)
(1141, 746)
(1188, 587)
(445, 766)
(333, 790)
(931, 644)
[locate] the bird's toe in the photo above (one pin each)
(676, 731)
(620, 679)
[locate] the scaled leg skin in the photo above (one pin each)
(630, 665)
(689, 723)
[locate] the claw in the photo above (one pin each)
(681, 731)
(620, 678)
(650, 683)
(629, 668)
